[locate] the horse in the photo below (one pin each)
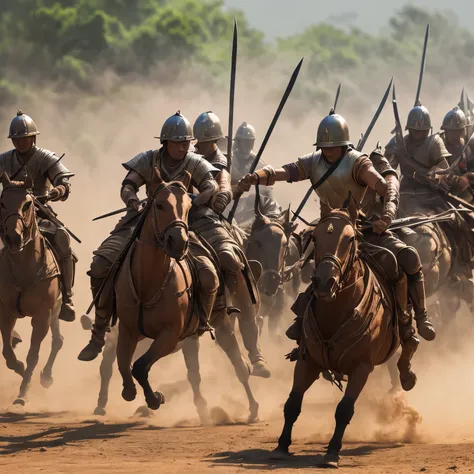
(272, 242)
(153, 292)
(349, 326)
(29, 283)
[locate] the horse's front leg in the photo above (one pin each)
(162, 346)
(40, 324)
(56, 346)
(7, 323)
(345, 411)
(126, 345)
(106, 370)
(306, 372)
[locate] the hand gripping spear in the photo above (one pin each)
(288, 90)
(360, 146)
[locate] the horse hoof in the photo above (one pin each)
(280, 454)
(330, 460)
(143, 412)
(19, 368)
(99, 411)
(46, 380)
(20, 402)
(86, 322)
(155, 401)
(129, 394)
(260, 369)
(408, 381)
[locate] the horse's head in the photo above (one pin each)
(335, 249)
(17, 213)
(268, 243)
(170, 209)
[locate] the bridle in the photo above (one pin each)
(344, 268)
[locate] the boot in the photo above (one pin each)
(295, 331)
(407, 335)
(206, 305)
(416, 292)
(67, 265)
(103, 314)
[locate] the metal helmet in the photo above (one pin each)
(454, 120)
(176, 129)
(332, 131)
(207, 128)
(245, 132)
(418, 118)
(22, 126)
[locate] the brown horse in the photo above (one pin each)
(153, 291)
(349, 325)
(29, 283)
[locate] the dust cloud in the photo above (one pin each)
(97, 135)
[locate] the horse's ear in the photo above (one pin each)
(156, 178)
(28, 182)
(187, 179)
(5, 179)
(352, 208)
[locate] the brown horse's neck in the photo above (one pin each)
(27, 264)
(332, 314)
(150, 263)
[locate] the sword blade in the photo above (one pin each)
(287, 93)
(233, 72)
(114, 213)
(422, 67)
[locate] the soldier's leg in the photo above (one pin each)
(62, 244)
(409, 261)
(295, 331)
(208, 286)
(103, 308)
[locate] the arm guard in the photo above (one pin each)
(391, 196)
(63, 187)
(266, 175)
(128, 193)
(224, 187)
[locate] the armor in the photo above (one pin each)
(335, 190)
(418, 118)
(454, 120)
(332, 131)
(245, 132)
(207, 128)
(176, 129)
(194, 164)
(42, 167)
(22, 126)
(217, 159)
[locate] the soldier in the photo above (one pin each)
(243, 157)
(173, 159)
(353, 173)
(50, 183)
(210, 224)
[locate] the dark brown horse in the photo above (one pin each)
(153, 291)
(29, 283)
(349, 326)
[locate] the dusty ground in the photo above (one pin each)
(56, 444)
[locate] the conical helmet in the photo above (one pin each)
(418, 118)
(22, 126)
(176, 129)
(332, 131)
(245, 132)
(207, 128)
(455, 119)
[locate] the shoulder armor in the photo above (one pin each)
(219, 160)
(47, 162)
(142, 164)
(198, 167)
(382, 166)
(391, 146)
(437, 147)
(6, 162)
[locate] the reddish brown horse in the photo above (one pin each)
(29, 283)
(154, 299)
(349, 326)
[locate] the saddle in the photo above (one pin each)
(380, 260)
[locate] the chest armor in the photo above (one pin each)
(335, 190)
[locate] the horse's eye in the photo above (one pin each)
(26, 207)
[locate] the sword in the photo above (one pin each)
(118, 211)
(360, 146)
(288, 90)
(233, 71)
(422, 67)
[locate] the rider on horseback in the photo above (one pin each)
(50, 183)
(338, 170)
(173, 160)
(210, 225)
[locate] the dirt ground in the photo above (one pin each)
(57, 443)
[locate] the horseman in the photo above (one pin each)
(50, 183)
(243, 156)
(428, 154)
(211, 226)
(173, 160)
(348, 172)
